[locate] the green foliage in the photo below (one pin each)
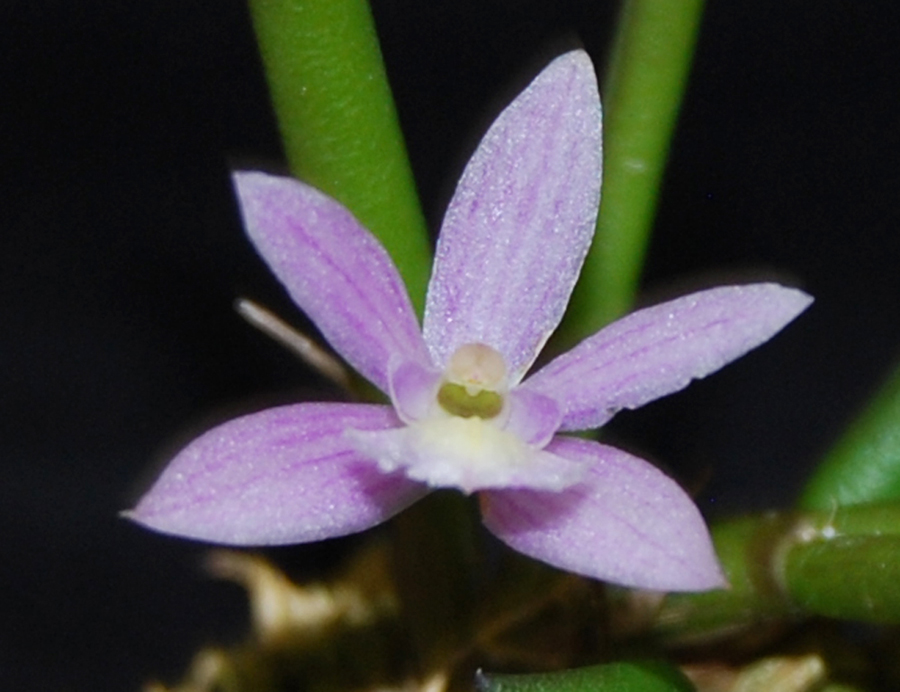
(622, 676)
(864, 465)
(789, 566)
(848, 577)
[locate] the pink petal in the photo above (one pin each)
(335, 271)
(532, 417)
(626, 523)
(521, 220)
(413, 390)
(284, 475)
(659, 350)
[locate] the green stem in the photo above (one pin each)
(643, 89)
(435, 557)
(338, 122)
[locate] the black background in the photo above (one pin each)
(122, 255)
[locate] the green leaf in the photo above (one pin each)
(873, 519)
(624, 676)
(642, 92)
(848, 577)
(864, 465)
(338, 121)
(843, 563)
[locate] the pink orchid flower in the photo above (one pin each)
(462, 415)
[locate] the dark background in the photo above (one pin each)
(122, 255)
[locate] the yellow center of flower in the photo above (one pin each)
(474, 383)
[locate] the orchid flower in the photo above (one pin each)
(461, 413)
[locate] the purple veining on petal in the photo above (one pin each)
(627, 523)
(335, 271)
(521, 220)
(284, 475)
(659, 350)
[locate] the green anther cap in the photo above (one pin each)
(454, 399)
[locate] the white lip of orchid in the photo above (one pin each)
(467, 453)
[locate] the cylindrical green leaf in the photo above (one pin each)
(873, 519)
(338, 122)
(624, 676)
(843, 563)
(850, 577)
(864, 465)
(642, 92)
